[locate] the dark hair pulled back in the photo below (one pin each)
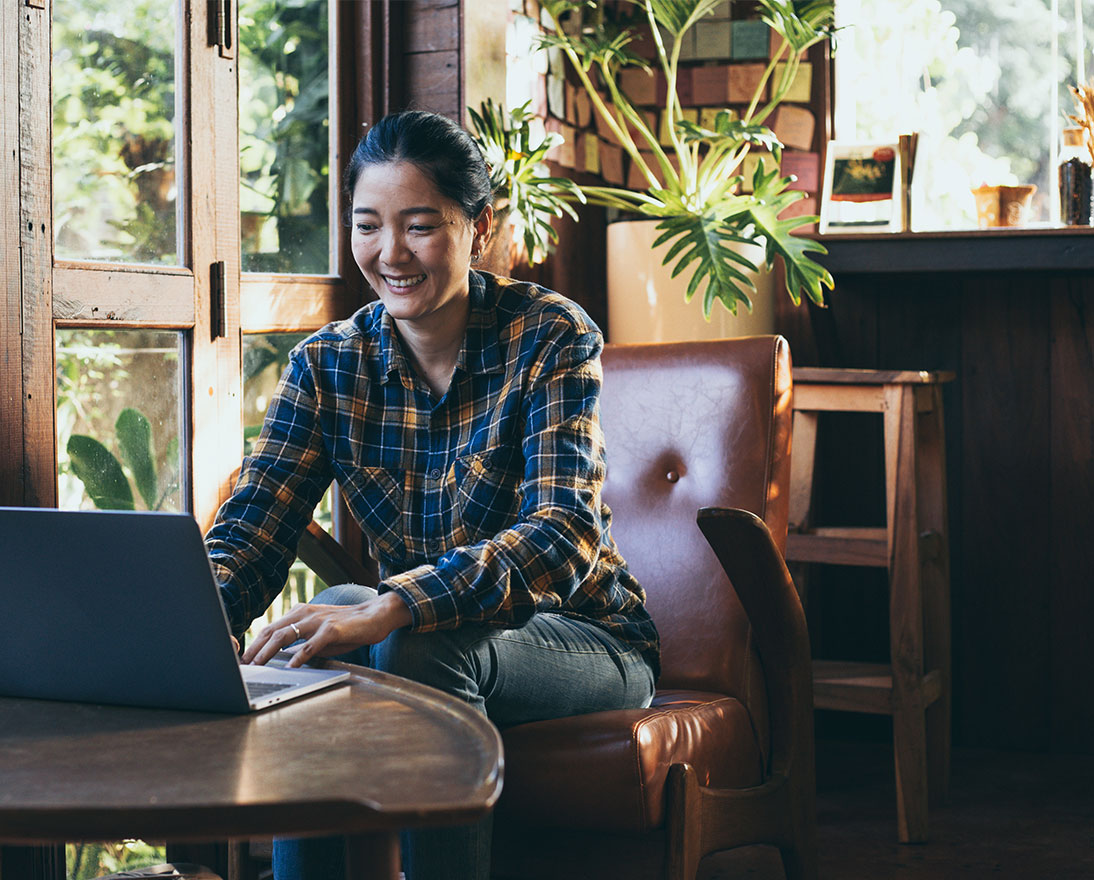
(439, 147)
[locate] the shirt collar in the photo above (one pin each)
(479, 353)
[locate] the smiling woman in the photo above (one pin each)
(460, 415)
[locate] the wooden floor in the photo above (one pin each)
(1010, 815)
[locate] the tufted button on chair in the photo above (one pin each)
(724, 756)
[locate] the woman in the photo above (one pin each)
(459, 414)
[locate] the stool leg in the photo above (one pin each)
(905, 615)
(802, 458)
(935, 575)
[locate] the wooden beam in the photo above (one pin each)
(11, 314)
(281, 303)
(111, 297)
(216, 404)
(36, 242)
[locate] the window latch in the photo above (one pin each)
(218, 295)
(220, 26)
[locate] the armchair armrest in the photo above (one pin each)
(747, 552)
(330, 560)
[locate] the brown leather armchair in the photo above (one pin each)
(724, 757)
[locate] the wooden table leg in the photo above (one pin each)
(371, 856)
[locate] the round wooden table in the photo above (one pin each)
(364, 759)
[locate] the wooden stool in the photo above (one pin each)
(915, 686)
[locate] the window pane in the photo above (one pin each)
(284, 136)
(980, 81)
(86, 860)
(114, 173)
(265, 356)
(119, 396)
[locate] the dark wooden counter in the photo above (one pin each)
(1020, 459)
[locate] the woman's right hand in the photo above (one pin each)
(330, 630)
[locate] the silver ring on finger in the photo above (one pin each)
(296, 630)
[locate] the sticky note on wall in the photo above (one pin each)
(801, 88)
(744, 79)
(749, 39)
(710, 84)
(794, 126)
(803, 166)
(638, 85)
(611, 163)
(712, 39)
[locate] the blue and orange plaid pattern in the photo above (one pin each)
(481, 507)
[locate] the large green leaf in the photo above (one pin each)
(135, 440)
(770, 198)
(801, 23)
(100, 473)
(702, 244)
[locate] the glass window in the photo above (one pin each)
(119, 401)
(284, 137)
(985, 85)
(87, 860)
(114, 171)
(265, 356)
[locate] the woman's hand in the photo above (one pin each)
(329, 630)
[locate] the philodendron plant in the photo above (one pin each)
(693, 186)
(524, 192)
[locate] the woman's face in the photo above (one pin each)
(413, 244)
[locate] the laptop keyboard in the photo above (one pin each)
(256, 689)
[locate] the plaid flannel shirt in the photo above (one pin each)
(481, 507)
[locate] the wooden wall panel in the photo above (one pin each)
(433, 82)
(1071, 569)
(433, 25)
(11, 375)
(1001, 627)
(36, 240)
(1020, 438)
(432, 57)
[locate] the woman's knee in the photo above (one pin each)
(344, 594)
(443, 660)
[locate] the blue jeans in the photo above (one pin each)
(551, 667)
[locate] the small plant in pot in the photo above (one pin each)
(694, 185)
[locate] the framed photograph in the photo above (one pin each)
(863, 189)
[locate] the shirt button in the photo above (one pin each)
(433, 545)
(435, 474)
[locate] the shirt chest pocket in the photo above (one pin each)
(375, 495)
(488, 494)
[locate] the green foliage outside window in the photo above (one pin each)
(114, 130)
(284, 131)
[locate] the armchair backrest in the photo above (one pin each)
(691, 425)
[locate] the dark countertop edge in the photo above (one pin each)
(972, 251)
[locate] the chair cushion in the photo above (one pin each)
(607, 770)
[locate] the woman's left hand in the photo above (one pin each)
(329, 630)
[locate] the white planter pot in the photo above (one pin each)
(646, 305)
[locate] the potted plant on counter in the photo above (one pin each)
(709, 231)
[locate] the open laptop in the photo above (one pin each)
(121, 607)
